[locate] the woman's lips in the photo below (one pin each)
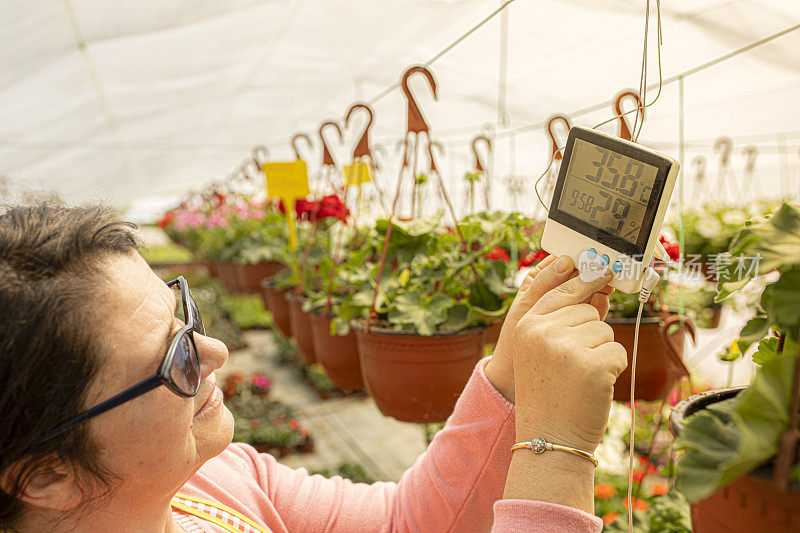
(214, 397)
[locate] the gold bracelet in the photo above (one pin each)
(539, 445)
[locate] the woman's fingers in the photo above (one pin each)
(575, 315)
(571, 292)
(600, 302)
(526, 283)
(593, 333)
(553, 274)
(614, 356)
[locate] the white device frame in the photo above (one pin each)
(561, 239)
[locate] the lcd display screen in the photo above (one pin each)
(607, 190)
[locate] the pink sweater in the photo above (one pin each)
(454, 486)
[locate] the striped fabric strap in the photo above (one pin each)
(221, 515)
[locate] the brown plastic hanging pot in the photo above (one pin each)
(416, 378)
(250, 276)
(659, 363)
(275, 301)
(338, 354)
(750, 502)
(492, 333)
(301, 327)
(227, 276)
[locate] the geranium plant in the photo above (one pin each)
(431, 282)
(733, 437)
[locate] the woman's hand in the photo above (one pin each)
(543, 277)
(565, 366)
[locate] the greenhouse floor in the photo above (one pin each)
(344, 429)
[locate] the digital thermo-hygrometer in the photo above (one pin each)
(608, 205)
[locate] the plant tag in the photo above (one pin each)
(358, 173)
(288, 180)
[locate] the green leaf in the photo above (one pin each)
(418, 310)
(768, 349)
(457, 318)
(756, 329)
(775, 241)
(784, 309)
(731, 438)
(340, 327)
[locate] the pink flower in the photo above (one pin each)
(216, 221)
(261, 381)
(257, 214)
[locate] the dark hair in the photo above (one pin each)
(50, 259)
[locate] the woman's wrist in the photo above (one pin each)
(502, 379)
(553, 477)
(532, 423)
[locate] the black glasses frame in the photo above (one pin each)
(162, 375)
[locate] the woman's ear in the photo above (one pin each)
(50, 487)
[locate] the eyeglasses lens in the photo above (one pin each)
(185, 370)
(199, 327)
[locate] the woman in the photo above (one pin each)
(112, 421)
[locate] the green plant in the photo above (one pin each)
(733, 437)
(431, 283)
(247, 311)
(709, 229)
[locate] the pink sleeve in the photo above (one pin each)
(542, 517)
(453, 486)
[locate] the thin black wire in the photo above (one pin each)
(446, 49)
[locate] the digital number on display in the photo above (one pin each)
(608, 190)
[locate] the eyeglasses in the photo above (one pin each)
(179, 370)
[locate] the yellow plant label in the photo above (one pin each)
(287, 180)
(358, 173)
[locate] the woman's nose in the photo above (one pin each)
(212, 353)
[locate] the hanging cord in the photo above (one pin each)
(651, 279)
(639, 116)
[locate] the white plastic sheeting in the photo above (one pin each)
(128, 101)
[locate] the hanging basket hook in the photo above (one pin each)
(750, 154)
(296, 138)
(699, 164)
(624, 129)
(260, 155)
(479, 165)
(362, 148)
(327, 157)
(556, 154)
(724, 145)
(416, 122)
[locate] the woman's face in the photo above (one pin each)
(156, 441)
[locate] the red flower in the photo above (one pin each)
(166, 220)
(305, 209)
(673, 249)
(603, 491)
(659, 488)
(332, 206)
(609, 518)
(281, 207)
(638, 505)
(638, 475)
(293, 424)
(304, 433)
(498, 254)
(254, 423)
(531, 258)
